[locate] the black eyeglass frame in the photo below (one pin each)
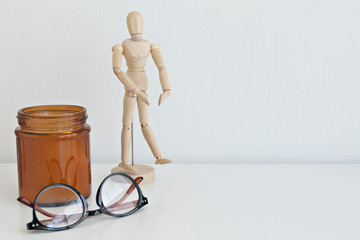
(35, 224)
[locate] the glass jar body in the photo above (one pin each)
(53, 147)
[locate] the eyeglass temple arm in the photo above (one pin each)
(28, 203)
(123, 205)
(25, 201)
(128, 204)
(132, 187)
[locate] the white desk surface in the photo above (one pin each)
(217, 201)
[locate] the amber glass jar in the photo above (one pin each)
(53, 147)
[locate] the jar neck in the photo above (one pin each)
(52, 119)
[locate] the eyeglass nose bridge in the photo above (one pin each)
(95, 212)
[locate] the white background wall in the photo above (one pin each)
(253, 81)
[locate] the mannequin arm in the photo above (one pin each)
(128, 83)
(117, 58)
(163, 75)
(123, 77)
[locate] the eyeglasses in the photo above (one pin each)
(60, 206)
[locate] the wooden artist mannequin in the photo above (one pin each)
(136, 50)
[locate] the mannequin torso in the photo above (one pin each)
(136, 54)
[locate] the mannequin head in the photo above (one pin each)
(135, 23)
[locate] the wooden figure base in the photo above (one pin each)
(145, 171)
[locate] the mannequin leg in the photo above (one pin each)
(128, 111)
(148, 133)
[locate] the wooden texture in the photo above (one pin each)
(134, 22)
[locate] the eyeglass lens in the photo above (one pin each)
(119, 195)
(58, 206)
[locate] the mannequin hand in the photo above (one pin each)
(163, 96)
(141, 95)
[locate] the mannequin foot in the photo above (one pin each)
(127, 167)
(163, 161)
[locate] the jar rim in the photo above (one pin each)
(42, 111)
